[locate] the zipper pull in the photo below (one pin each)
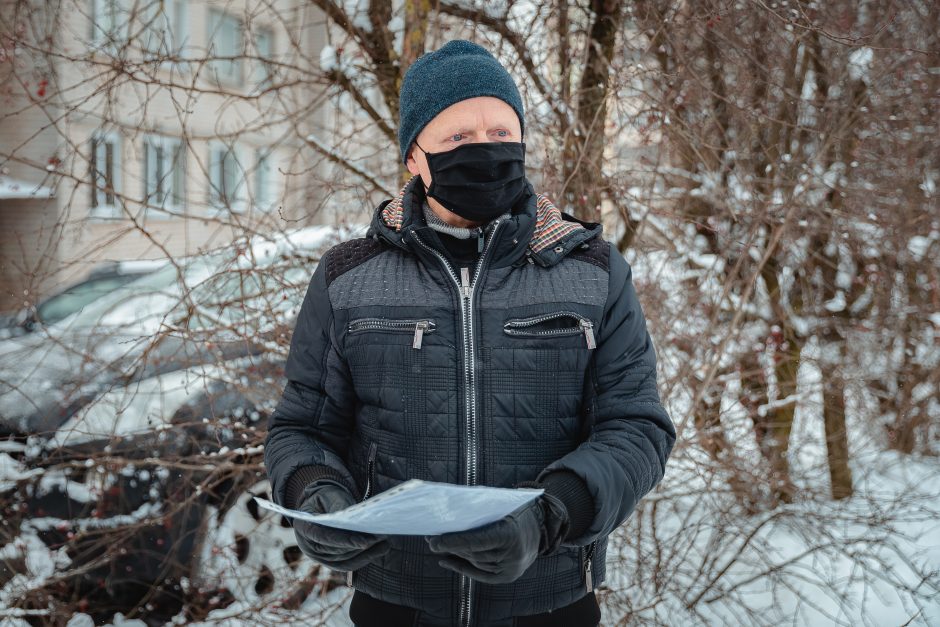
(480, 242)
(589, 334)
(349, 575)
(588, 560)
(465, 281)
(420, 328)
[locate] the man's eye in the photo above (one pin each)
(456, 137)
(503, 133)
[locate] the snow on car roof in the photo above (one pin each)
(143, 302)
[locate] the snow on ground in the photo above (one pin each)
(794, 569)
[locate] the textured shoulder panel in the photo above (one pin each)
(596, 251)
(532, 284)
(394, 278)
(347, 255)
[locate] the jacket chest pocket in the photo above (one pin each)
(552, 325)
(535, 380)
(395, 369)
(417, 327)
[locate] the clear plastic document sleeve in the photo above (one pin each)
(421, 508)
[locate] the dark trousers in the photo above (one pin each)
(367, 611)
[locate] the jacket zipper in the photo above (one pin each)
(588, 560)
(370, 485)
(384, 324)
(512, 327)
(465, 287)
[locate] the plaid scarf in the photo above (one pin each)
(550, 226)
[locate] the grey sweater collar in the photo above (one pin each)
(459, 232)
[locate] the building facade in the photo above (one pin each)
(142, 129)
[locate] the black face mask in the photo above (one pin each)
(478, 181)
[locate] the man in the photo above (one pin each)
(476, 335)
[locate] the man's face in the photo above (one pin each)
(480, 119)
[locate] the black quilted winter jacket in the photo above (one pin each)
(533, 365)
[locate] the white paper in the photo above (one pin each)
(421, 508)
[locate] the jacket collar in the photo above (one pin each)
(537, 231)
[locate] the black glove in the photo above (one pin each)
(338, 549)
(502, 550)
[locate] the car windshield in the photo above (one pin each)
(141, 301)
(221, 289)
(78, 296)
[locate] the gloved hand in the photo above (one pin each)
(338, 549)
(502, 550)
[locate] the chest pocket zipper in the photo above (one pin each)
(370, 487)
(417, 326)
(541, 326)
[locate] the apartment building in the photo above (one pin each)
(141, 129)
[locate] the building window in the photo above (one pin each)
(226, 178)
(164, 173)
(105, 175)
(163, 28)
(155, 27)
(264, 185)
(225, 37)
(108, 23)
(263, 72)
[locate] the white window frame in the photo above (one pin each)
(234, 200)
(224, 72)
(164, 187)
(262, 75)
(264, 195)
(111, 30)
(99, 207)
(168, 17)
(108, 24)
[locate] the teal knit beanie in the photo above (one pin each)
(458, 70)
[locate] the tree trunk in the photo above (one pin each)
(584, 144)
(712, 438)
(779, 420)
(837, 442)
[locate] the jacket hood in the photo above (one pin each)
(538, 230)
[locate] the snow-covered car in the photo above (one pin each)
(100, 281)
(104, 369)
